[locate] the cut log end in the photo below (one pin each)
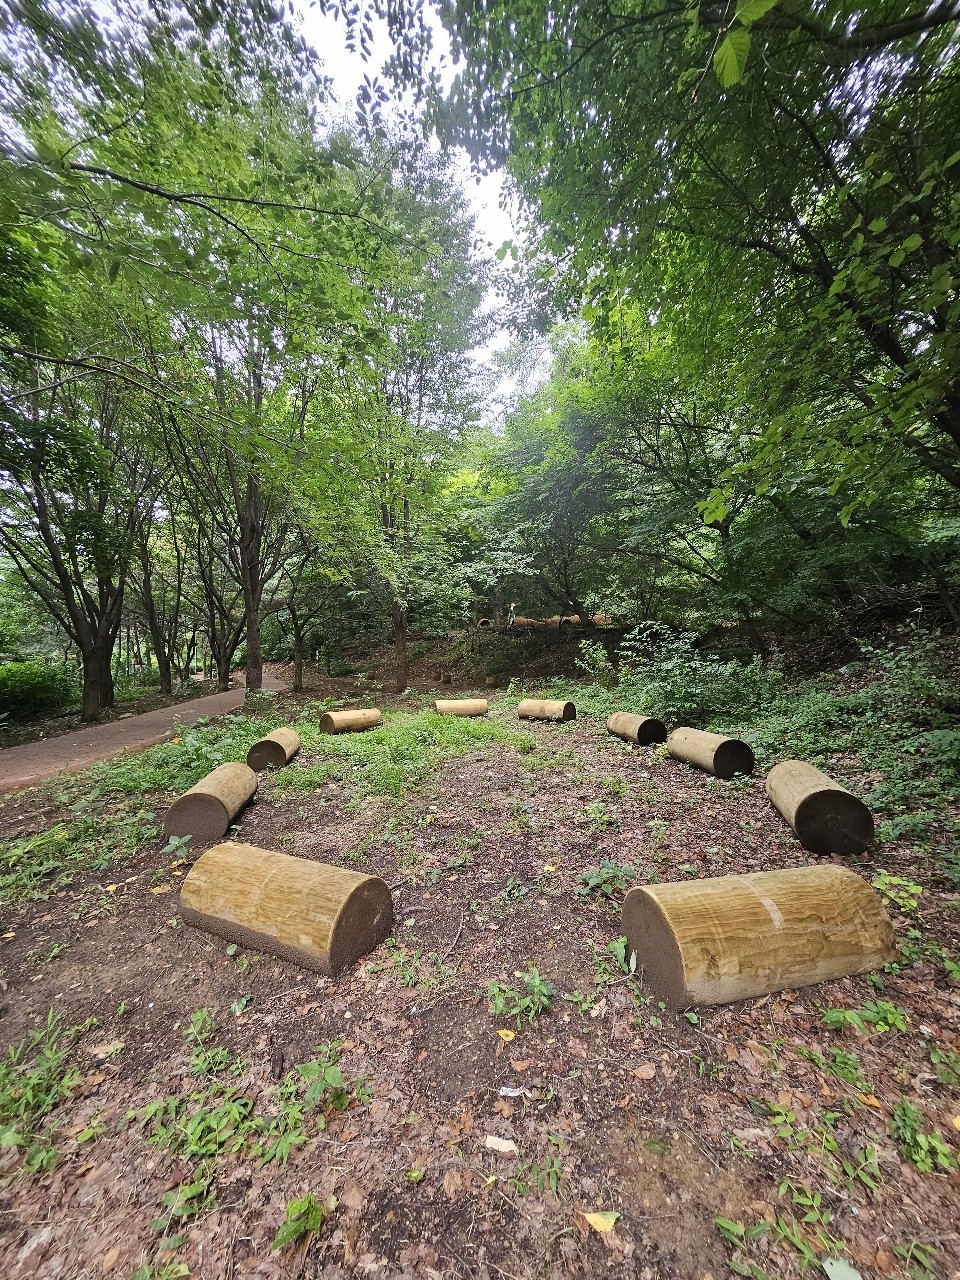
(733, 757)
(201, 816)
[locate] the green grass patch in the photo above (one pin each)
(398, 754)
(35, 1078)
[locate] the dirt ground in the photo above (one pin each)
(667, 1120)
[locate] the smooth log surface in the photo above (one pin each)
(275, 750)
(827, 818)
(350, 721)
(720, 756)
(544, 709)
(640, 729)
(734, 937)
(319, 916)
(206, 810)
(461, 706)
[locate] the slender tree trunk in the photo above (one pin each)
(399, 613)
(297, 628)
(92, 676)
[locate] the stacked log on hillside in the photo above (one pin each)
(318, 916)
(461, 706)
(720, 756)
(826, 817)
(206, 810)
(275, 750)
(642, 730)
(729, 938)
(350, 721)
(540, 709)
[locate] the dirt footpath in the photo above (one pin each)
(35, 762)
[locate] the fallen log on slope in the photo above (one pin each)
(207, 809)
(274, 751)
(723, 757)
(642, 730)
(733, 937)
(826, 818)
(319, 916)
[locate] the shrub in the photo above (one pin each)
(29, 689)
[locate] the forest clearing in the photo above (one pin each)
(479, 637)
(166, 1096)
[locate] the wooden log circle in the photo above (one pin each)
(545, 709)
(733, 937)
(350, 721)
(206, 810)
(461, 706)
(642, 730)
(723, 757)
(318, 916)
(827, 818)
(275, 750)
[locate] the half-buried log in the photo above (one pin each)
(321, 917)
(206, 810)
(350, 721)
(541, 709)
(733, 937)
(274, 751)
(461, 706)
(640, 729)
(826, 817)
(720, 756)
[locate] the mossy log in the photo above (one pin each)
(720, 756)
(318, 916)
(642, 730)
(733, 937)
(275, 750)
(206, 810)
(826, 818)
(544, 709)
(461, 706)
(350, 721)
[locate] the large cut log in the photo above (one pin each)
(733, 937)
(720, 756)
(826, 817)
(275, 750)
(350, 721)
(640, 729)
(540, 709)
(206, 810)
(461, 706)
(321, 917)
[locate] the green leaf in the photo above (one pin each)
(840, 1269)
(751, 11)
(730, 60)
(912, 243)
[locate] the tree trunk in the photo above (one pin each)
(92, 677)
(399, 613)
(297, 628)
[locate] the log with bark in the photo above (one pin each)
(461, 706)
(275, 750)
(826, 818)
(733, 937)
(720, 756)
(350, 721)
(206, 810)
(318, 916)
(642, 730)
(544, 709)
